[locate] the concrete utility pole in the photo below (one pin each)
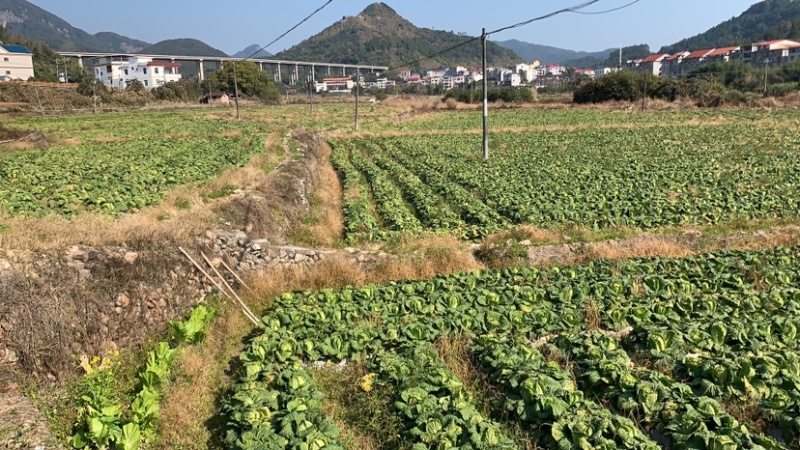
(644, 93)
(484, 38)
(766, 75)
(311, 93)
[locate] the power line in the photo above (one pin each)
(597, 13)
(409, 63)
(573, 9)
(546, 16)
(290, 30)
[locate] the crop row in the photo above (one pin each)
(666, 176)
(526, 118)
(360, 221)
(648, 298)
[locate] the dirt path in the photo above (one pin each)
(668, 246)
(22, 426)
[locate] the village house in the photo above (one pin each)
(652, 64)
(693, 60)
(16, 62)
(117, 72)
(672, 66)
(555, 70)
(216, 98)
(774, 53)
(336, 85)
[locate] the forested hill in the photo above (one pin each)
(34, 23)
(766, 20)
(380, 36)
(186, 47)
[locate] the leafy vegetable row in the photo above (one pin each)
(648, 298)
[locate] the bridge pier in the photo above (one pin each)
(277, 74)
(202, 72)
(297, 72)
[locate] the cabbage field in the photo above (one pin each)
(637, 354)
(639, 177)
(120, 163)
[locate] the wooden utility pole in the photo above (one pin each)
(358, 87)
(484, 38)
(236, 91)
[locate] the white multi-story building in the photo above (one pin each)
(117, 72)
(450, 82)
(338, 85)
(16, 62)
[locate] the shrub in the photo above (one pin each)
(782, 89)
(620, 86)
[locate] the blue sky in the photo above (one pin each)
(235, 25)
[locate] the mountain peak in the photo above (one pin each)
(380, 36)
(377, 10)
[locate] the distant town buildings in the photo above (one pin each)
(118, 72)
(678, 65)
(16, 62)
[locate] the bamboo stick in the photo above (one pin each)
(244, 307)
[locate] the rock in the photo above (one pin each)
(122, 300)
(299, 257)
(217, 262)
(77, 265)
(256, 246)
(84, 275)
(4, 265)
(10, 356)
(130, 257)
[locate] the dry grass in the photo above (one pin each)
(365, 419)
(190, 401)
(637, 249)
(457, 356)
(324, 225)
(53, 233)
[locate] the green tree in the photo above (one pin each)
(3, 35)
(251, 79)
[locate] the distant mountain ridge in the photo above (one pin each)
(380, 36)
(252, 51)
(184, 47)
(549, 55)
(766, 20)
(34, 23)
